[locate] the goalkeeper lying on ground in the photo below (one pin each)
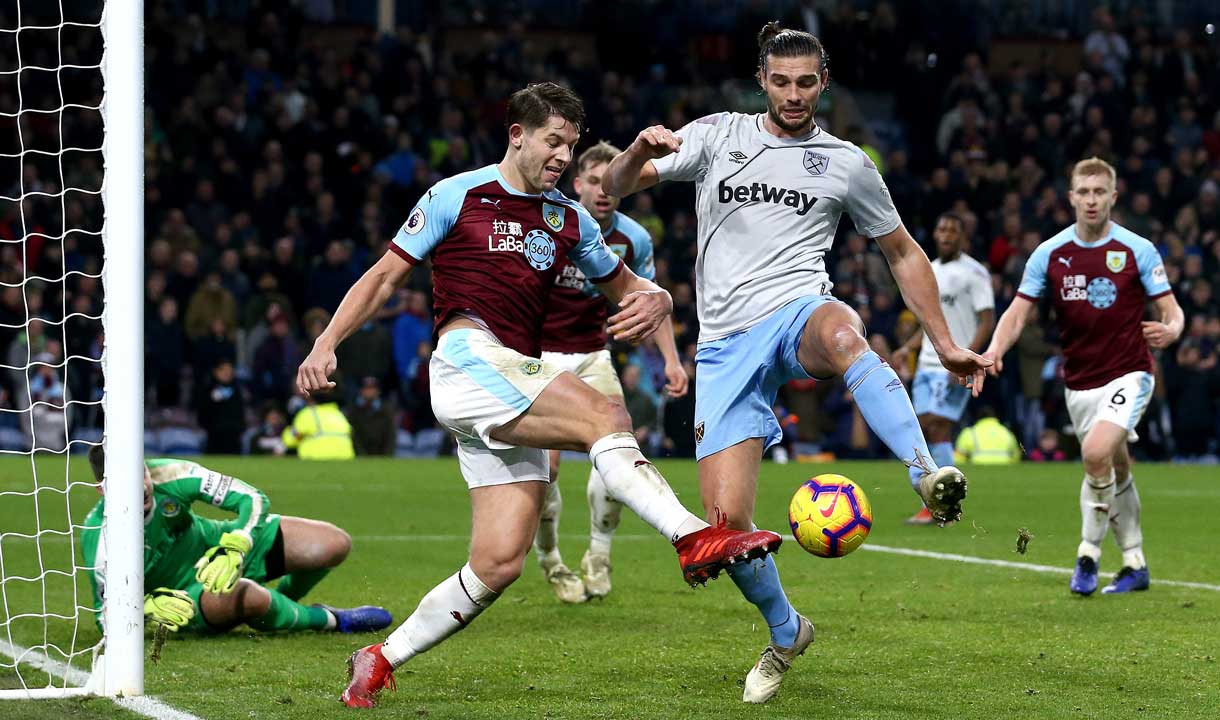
(208, 575)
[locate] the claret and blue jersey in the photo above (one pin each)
(576, 319)
(1099, 291)
(496, 252)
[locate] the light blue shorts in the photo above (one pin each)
(737, 378)
(937, 393)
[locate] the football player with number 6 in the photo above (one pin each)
(1100, 276)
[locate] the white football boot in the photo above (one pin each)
(596, 569)
(568, 586)
(942, 492)
(764, 678)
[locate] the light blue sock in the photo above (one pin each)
(942, 453)
(883, 401)
(758, 581)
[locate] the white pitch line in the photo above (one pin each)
(1016, 565)
(909, 552)
(149, 707)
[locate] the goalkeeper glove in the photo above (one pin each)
(220, 567)
(171, 608)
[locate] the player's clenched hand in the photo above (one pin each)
(969, 368)
(656, 142)
(676, 382)
(220, 567)
(1158, 334)
(314, 373)
(640, 314)
(171, 608)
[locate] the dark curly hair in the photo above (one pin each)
(776, 41)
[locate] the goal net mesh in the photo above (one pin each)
(51, 252)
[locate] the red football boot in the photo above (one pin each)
(368, 672)
(705, 553)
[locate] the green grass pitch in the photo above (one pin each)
(897, 636)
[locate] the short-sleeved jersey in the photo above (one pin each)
(1099, 291)
(174, 537)
(576, 317)
(495, 252)
(965, 291)
(768, 210)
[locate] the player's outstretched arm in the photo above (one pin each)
(1006, 332)
(1162, 334)
(643, 305)
(371, 291)
(676, 381)
(917, 283)
(632, 170)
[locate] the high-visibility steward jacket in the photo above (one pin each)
(320, 432)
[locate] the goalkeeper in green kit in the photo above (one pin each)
(208, 575)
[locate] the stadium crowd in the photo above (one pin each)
(282, 168)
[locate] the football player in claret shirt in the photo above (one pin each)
(1099, 277)
(770, 190)
(574, 338)
(496, 237)
(208, 575)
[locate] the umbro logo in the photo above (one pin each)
(1065, 261)
(491, 202)
(738, 157)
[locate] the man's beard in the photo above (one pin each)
(778, 119)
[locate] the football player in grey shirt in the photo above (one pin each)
(770, 190)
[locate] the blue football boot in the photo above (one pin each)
(1128, 580)
(1084, 580)
(365, 618)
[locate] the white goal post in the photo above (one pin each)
(118, 669)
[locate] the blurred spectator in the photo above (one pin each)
(1194, 389)
(1048, 449)
(319, 431)
(209, 303)
(988, 442)
(267, 438)
(679, 419)
(373, 431)
(640, 406)
(222, 411)
(366, 353)
(164, 353)
(1032, 352)
(276, 359)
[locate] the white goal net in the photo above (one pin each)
(71, 355)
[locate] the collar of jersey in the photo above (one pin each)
(1098, 243)
(758, 124)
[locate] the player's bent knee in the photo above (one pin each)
(340, 546)
(842, 341)
(609, 417)
(248, 600)
(498, 573)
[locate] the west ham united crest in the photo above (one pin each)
(553, 216)
(816, 163)
(1116, 260)
(699, 433)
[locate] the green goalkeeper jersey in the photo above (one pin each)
(174, 537)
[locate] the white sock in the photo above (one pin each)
(1125, 519)
(604, 514)
(636, 483)
(447, 608)
(1096, 499)
(546, 541)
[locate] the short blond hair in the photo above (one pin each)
(603, 152)
(1095, 166)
